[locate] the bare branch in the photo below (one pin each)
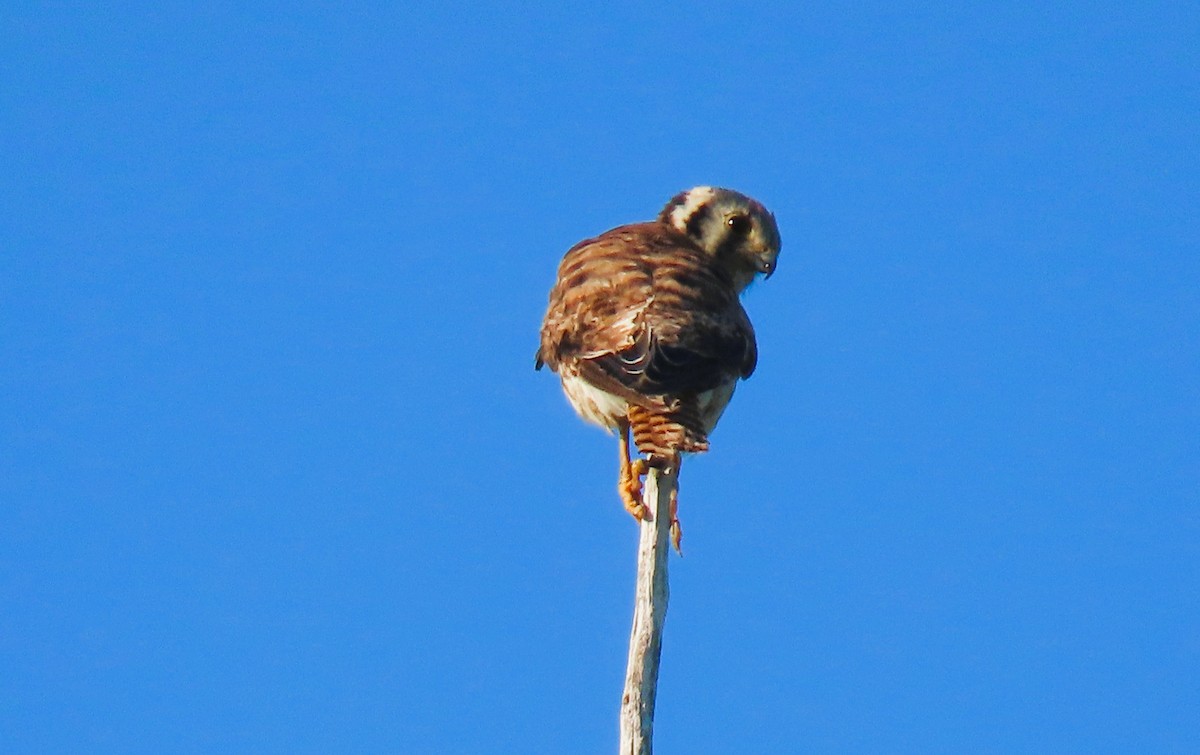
(649, 613)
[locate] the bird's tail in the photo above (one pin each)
(663, 435)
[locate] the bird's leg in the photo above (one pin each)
(676, 527)
(630, 483)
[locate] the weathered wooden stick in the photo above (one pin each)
(649, 613)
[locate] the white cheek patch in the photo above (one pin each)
(695, 198)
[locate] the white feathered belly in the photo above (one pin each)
(606, 410)
(594, 405)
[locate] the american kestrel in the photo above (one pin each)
(646, 331)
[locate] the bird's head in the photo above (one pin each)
(737, 230)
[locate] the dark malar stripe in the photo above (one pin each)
(696, 220)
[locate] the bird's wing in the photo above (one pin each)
(642, 313)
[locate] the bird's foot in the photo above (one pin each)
(630, 487)
(676, 527)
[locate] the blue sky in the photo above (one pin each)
(277, 474)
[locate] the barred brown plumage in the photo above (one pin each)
(645, 329)
(661, 435)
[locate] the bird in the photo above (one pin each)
(647, 333)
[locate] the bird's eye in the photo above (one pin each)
(739, 224)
